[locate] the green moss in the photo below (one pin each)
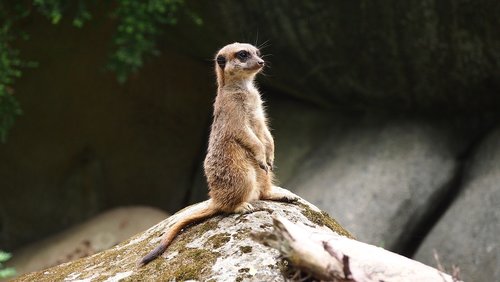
(246, 249)
(242, 277)
(190, 264)
(60, 273)
(216, 241)
(206, 226)
(244, 274)
(243, 233)
(196, 231)
(284, 266)
(324, 219)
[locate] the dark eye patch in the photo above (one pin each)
(243, 55)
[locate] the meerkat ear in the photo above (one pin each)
(221, 61)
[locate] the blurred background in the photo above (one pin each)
(385, 115)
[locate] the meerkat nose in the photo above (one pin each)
(261, 63)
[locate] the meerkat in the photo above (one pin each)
(240, 155)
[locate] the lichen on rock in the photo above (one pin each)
(221, 248)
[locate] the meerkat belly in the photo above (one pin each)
(228, 161)
(231, 175)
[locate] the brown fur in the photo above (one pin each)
(240, 154)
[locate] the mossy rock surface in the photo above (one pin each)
(218, 249)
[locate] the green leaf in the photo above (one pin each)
(56, 17)
(7, 272)
(4, 256)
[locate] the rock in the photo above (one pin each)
(421, 55)
(467, 235)
(379, 178)
(95, 235)
(298, 129)
(218, 249)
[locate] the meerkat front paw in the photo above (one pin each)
(269, 155)
(264, 166)
(270, 163)
(263, 163)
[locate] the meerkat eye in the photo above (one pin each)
(243, 55)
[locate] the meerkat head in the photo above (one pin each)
(236, 62)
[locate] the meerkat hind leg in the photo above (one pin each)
(280, 194)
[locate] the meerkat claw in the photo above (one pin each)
(264, 167)
(271, 166)
(244, 208)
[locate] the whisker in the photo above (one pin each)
(267, 68)
(264, 45)
(268, 64)
(264, 73)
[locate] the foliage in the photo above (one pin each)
(54, 9)
(139, 24)
(5, 272)
(9, 70)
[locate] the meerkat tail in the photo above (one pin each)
(173, 231)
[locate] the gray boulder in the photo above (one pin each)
(379, 179)
(358, 54)
(97, 234)
(219, 249)
(467, 235)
